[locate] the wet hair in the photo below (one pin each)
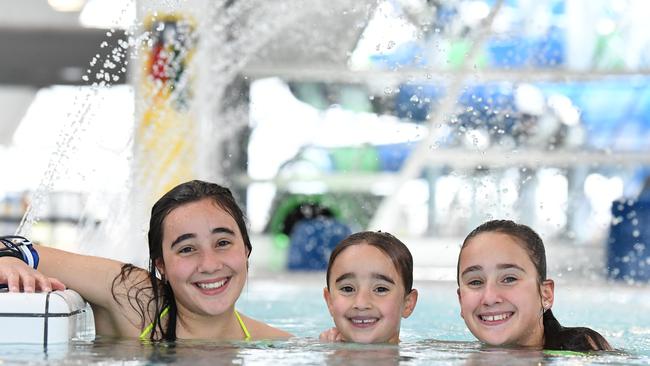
(388, 244)
(161, 292)
(556, 336)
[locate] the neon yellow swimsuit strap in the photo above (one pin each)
(243, 326)
(149, 328)
(553, 352)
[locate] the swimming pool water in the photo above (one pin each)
(434, 333)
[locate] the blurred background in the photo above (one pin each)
(423, 118)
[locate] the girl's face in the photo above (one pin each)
(367, 297)
(499, 292)
(204, 258)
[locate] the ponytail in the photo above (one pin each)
(580, 339)
(552, 331)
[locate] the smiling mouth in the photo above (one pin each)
(363, 321)
(214, 285)
(495, 319)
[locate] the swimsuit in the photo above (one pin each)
(149, 328)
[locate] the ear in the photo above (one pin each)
(460, 303)
(328, 300)
(248, 259)
(547, 290)
(160, 265)
(409, 303)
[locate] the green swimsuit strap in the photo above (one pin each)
(149, 328)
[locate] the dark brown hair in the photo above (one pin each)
(397, 251)
(556, 337)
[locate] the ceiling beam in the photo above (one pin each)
(41, 57)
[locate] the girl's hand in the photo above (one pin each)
(18, 276)
(331, 335)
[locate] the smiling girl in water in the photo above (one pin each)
(504, 295)
(198, 265)
(369, 288)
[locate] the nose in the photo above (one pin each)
(491, 294)
(362, 301)
(209, 262)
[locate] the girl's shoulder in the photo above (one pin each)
(262, 331)
(132, 307)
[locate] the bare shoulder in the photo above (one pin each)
(131, 309)
(260, 330)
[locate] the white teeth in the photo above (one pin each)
(492, 318)
(363, 321)
(212, 285)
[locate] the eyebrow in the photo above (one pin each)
(499, 266)
(216, 230)
(510, 265)
(344, 276)
(471, 269)
(382, 277)
(378, 276)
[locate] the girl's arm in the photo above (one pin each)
(92, 277)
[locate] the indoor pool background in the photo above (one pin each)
(434, 333)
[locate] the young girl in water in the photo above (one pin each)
(198, 265)
(505, 297)
(369, 288)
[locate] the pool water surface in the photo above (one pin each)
(434, 333)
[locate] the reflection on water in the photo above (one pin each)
(434, 333)
(106, 351)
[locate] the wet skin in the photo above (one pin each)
(366, 296)
(204, 260)
(500, 298)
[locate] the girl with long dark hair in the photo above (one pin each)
(198, 265)
(505, 296)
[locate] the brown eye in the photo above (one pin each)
(382, 289)
(346, 289)
(223, 243)
(186, 250)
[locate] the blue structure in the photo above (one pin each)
(312, 241)
(628, 251)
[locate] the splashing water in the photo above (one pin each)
(74, 137)
(228, 35)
